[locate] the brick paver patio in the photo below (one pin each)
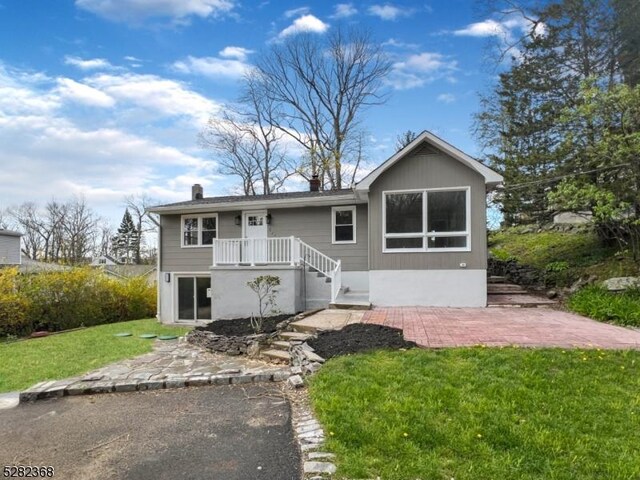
(530, 327)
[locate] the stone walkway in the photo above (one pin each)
(172, 364)
(529, 327)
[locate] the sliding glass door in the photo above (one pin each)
(193, 301)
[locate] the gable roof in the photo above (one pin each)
(491, 178)
(236, 202)
(9, 233)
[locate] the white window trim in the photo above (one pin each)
(351, 208)
(199, 217)
(424, 234)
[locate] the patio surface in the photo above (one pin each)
(528, 327)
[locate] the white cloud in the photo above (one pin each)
(419, 69)
(160, 95)
(137, 10)
(344, 10)
(392, 42)
(486, 28)
(296, 12)
(212, 67)
(446, 98)
(81, 93)
(89, 64)
(306, 23)
(238, 53)
(388, 12)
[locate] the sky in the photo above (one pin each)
(105, 98)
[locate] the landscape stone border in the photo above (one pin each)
(61, 388)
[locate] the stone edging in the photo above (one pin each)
(61, 388)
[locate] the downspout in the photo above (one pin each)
(158, 273)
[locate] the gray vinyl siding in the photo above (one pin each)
(9, 250)
(428, 169)
(312, 225)
(174, 258)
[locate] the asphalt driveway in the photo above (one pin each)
(231, 432)
(528, 327)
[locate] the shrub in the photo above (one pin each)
(600, 304)
(68, 299)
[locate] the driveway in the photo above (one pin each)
(231, 432)
(529, 327)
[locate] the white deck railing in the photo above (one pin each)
(277, 251)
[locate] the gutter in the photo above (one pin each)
(158, 275)
(281, 203)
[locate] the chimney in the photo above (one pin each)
(314, 183)
(196, 192)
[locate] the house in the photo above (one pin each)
(413, 232)
(123, 272)
(10, 247)
(103, 260)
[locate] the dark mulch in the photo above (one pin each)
(358, 337)
(239, 327)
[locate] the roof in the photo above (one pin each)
(128, 271)
(9, 233)
(491, 178)
(234, 202)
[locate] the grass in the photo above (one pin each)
(27, 362)
(581, 252)
(598, 303)
(480, 413)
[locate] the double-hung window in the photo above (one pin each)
(343, 224)
(426, 220)
(199, 230)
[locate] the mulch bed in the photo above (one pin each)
(239, 327)
(358, 337)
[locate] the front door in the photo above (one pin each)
(255, 231)
(194, 300)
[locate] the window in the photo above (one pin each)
(343, 224)
(199, 230)
(426, 220)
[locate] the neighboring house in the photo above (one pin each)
(130, 271)
(413, 232)
(10, 248)
(104, 260)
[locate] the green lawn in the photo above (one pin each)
(64, 355)
(481, 413)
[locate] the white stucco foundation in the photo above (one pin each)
(232, 298)
(165, 305)
(356, 281)
(433, 288)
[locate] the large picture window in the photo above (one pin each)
(426, 220)
(199, 230)
(343, 224)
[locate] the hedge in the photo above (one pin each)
(71, 298)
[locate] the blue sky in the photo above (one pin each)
(105, 98)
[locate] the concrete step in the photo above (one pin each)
(296, 336)
(350, 305)
(496, 279)
(281, 345)
(279, 355)
(518, 300)
(505, 289)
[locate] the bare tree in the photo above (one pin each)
(137, 205)
(28, 220)
(321, 85)
(4, 219)
(248, 142)
(405, 139)
(80, 228)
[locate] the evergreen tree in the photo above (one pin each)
(521, 123)
(126, 242)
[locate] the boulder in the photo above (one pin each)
(618, 284)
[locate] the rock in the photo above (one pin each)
(253, 350)
(552, 294)
(295, 381)
(618, 284)
(319, 467)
